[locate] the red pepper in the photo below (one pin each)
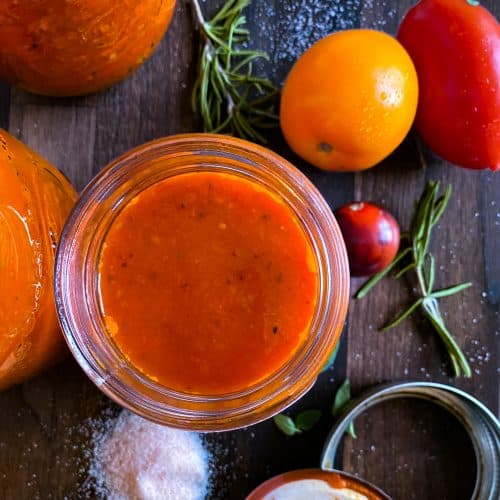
(455, 45)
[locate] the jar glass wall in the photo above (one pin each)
(78, 293)
(35, 199)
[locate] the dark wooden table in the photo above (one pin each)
(411, 449)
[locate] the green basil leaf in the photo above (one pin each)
(331, 359)
(350, 430)
(306, 420)
(342, 397)
(286, 425)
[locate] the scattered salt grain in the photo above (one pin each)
(294, 26)
(137, 459)
(300, 24)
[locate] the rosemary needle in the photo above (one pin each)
(228, 96)
(416, 257)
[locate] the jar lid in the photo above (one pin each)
(482, 427)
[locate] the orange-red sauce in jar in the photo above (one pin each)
(208, 283)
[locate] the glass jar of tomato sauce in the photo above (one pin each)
(75, 47)
(35, 200)
(202, 282)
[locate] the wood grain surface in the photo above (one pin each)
(412, 450)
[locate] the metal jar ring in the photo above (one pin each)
(479, 422)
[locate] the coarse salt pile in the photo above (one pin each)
(137, 459)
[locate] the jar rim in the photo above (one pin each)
(480, 424)
(109, 191)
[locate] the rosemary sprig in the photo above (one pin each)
(416, 257)
(228, 96)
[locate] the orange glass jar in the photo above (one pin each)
(35, 199)
(135, 278)
(317, 483)
(74, 47)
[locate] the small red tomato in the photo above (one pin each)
(371, 236)
(455, 45)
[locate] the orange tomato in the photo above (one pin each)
(349, 100)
